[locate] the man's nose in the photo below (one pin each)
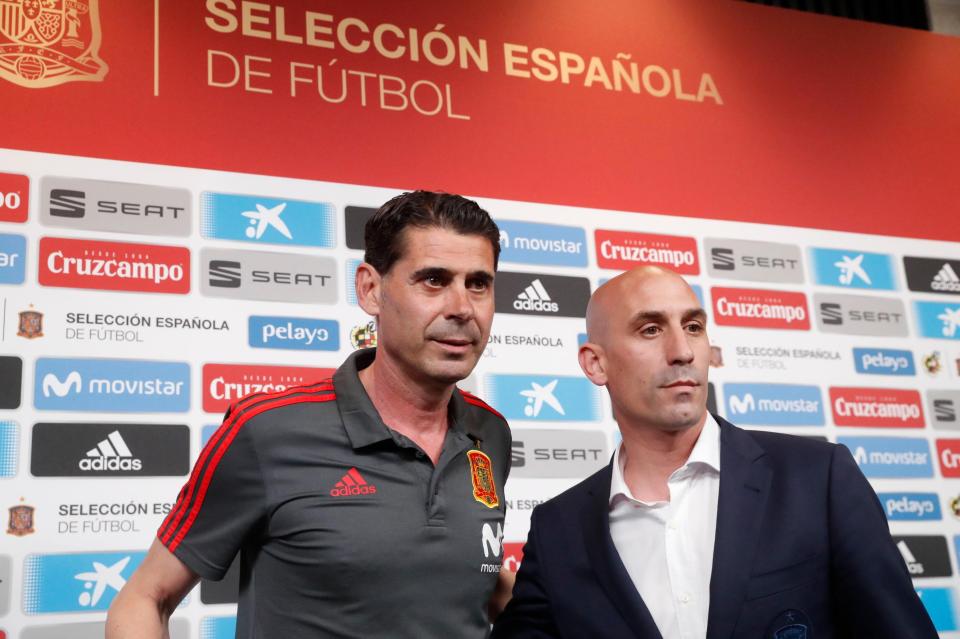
(459, 304)
(679, 350)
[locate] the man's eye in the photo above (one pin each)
(478, 285)
(650, 330)
(433, 280)
(695, 328)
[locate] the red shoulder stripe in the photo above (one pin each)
(208, 476)
(176, 513)
(473, 400)
(186, 495)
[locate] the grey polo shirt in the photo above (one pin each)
(345, 528)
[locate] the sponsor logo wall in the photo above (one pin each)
(137, 308)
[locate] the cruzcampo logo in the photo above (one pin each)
(44, 43)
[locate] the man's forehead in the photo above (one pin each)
(436, 247)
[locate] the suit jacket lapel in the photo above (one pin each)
(606, 562)
(744, 483)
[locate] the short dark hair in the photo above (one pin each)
(383, 234)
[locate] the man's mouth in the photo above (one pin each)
(689, 383)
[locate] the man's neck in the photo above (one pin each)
(416, 411)
(652, 455)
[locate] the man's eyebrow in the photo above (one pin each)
(485, 277)
(431, 271)
(660, 316)
(648, 316)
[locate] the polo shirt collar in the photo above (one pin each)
(361, 419)
(706, 452)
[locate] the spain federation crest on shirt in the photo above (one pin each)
(21, 521)
(481, 474)
(48, 42)
(31, 324)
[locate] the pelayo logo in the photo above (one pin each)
(876, 407)
(114, 266)
(754, 261)
(224, 384)
(774, 404)
(890, 457)
(623, 250)
(110, 450)
(753, 308)
(910, 506)
(883, 361)
(112, 385)
(853, 269)
(547, 244)
(120, 207)
(267, 220)
(294, 333)
(540, 294)
(274, 277)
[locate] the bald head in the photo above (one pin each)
(647, 343)
(609, 301)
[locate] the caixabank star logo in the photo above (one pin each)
(44, 43)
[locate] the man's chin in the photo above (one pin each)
(683, 420)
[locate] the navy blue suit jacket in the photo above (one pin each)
(801, 540)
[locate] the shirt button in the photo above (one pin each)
(671, 526)
(420, 454)
(684, 598)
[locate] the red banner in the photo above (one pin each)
(699, 108)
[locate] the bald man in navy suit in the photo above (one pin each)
(698, 528)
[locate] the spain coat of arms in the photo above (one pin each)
(48, 42)
(21, 521)
(31, 324)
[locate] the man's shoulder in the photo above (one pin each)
(596, 486)
(492, 426)
(780, 450)
(284, 408)
(481, 408)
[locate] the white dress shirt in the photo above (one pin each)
(667, 546)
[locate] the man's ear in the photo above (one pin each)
(368, 284)
(592, 363)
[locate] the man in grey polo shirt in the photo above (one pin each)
(369, 504)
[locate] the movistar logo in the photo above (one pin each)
(53, 385)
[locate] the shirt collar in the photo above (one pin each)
(705, 453)
(361, 419)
